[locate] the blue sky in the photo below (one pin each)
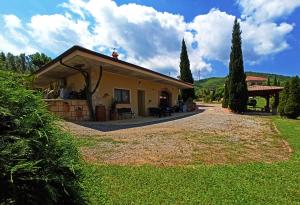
(149, 32)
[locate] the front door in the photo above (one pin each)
(141, 102)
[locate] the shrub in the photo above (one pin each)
(39, 164)
(283, 98)
(289, 105)
(292, 107)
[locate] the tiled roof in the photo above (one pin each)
(263, 88)
(255, 78)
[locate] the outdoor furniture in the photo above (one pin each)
(124, 113)
(159, 112)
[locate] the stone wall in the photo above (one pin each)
(73, 110)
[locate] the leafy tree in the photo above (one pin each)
(10, 61)
(22, 63)
(185, 73)
(292, 106)
(39, 164)
(237, 87)
(39, 59)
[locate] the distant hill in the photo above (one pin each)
(217, 82)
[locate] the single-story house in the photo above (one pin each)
(122, 85)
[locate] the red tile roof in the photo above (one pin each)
(263, 88)
(255, 78)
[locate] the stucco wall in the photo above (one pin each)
(110, 81)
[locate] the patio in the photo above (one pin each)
(138, 121)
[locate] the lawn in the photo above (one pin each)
(248, 183)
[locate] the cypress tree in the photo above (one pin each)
(185, 73)
(237, 87)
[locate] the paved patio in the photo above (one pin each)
(135, 122)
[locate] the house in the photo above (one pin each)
(122, 84)
(255, 80)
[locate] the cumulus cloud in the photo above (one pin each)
(266, 10)
(14, 38)
(151, 38)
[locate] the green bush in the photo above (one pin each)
(289, 105)
(39, 163)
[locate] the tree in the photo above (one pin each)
(237, 87)
(39, 59)
(89, 90)
(268, 81)
(2, 60)
(185, 73)
(292, 106)
(284, 95)
(23, 63)
(39, 163)
(275, 83)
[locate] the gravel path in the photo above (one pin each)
(214, 136)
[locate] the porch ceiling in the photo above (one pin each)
(56, 71)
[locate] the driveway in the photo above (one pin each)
(214, 136)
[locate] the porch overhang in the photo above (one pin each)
(263, 91)
(76, 55)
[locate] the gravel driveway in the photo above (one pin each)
(214, 136)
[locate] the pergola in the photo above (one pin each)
(265, 92)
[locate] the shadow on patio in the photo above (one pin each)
(135, 122)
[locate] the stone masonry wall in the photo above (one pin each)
(73, 110)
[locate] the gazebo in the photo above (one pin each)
(266, 92)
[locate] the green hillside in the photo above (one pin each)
(217, 82)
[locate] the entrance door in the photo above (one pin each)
(141, 102)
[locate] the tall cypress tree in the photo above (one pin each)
(237, 87)
(185, 73)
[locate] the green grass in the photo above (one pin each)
(253, 183)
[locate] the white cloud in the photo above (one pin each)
(14, 39)
(57, 32)
(213, 34)
(267, 10)
(12, 21)
(264, 39)
(151, 38)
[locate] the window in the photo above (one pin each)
(122, 96)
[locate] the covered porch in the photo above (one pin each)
(81, 84)
(266, 92)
